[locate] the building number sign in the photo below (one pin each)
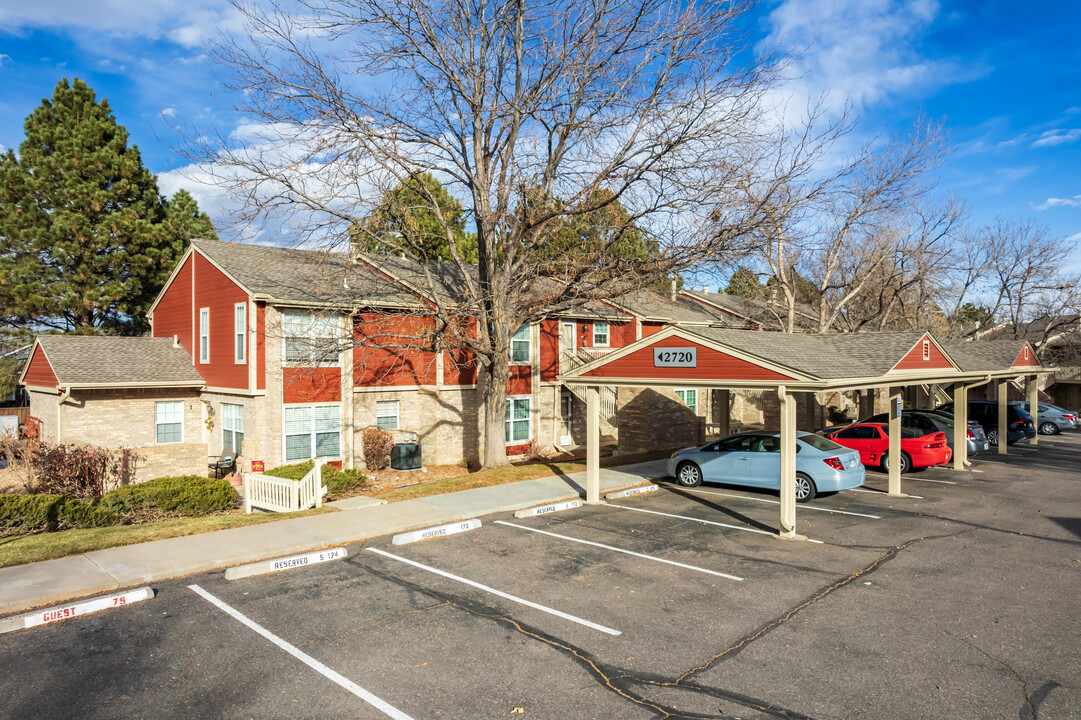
(675, 357)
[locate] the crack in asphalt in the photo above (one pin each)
(382, 620)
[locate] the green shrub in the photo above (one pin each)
(337, 481)
(188, 495)
(23, 514)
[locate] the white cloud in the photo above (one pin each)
(1057, 137)
(1076, 237)
(169, 112)
(3, 57)
(858, 51)
(1075, 201)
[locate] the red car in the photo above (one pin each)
(873, 443)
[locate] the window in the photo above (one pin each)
(232, 428)
(690, 398)
(312, 431)
(386, 414)
(519, 345)
(204, 335)
(517, 420)
(600, 334)
(169, 422)
(310, 338)
(738, 443)
(926, 349)
(240, 327)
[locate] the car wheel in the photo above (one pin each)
(805, 488)
(1048, 428)
(688, 474)
(906, 462)
(992, 437)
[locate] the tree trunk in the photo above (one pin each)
(496, 376)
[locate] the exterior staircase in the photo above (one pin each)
(569, 361)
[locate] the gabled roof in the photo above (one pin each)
(985, 355)
(757, 311)
(94, 360)
(304, 277)
(650, 304)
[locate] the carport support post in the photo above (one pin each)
(724, 410)
(788, 464)
(1002, 394)
(1034, 407)
(895, 441)
(593, 445)
(960, 426)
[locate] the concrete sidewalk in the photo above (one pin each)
(27, 586)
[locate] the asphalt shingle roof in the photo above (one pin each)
(655, 304)
(980, 355)
(118, 361)
(304, 276)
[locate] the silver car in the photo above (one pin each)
(1053, 419)
(934, 421)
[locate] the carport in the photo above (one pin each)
(787, 364)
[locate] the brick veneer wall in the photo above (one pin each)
(653, 419)
(43, 407)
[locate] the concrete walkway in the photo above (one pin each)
(27, 586)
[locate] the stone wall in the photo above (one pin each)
(655, 419)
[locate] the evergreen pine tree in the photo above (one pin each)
(85, 239)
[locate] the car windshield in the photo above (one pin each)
(820, 443)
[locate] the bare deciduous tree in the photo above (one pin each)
(532, 112)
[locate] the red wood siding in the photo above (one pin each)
(521, 380)
(712, 365)
(648, 328)
(622, 334)
(398, 359)
(308, 385)
(40, 372)
(1030, 361)
(173, 315)
(549, 350)
(913, 360)
(459, 367)
(260, 346)
(216, 291)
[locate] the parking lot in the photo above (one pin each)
(959, 601)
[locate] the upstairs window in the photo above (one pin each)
(204, 335)
(600, 334)
(520, 345)
(311, 338)
(240, 332)
(168, 422)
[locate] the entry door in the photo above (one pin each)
(565, 420)
(566, 337)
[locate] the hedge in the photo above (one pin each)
(24, 514)
(337, 481)
(188, 495)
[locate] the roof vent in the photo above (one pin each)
(176, 341)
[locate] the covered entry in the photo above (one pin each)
(788, 364)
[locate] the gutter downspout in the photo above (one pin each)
(59, 410)
(965, 389)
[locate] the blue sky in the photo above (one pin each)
(1003, 75)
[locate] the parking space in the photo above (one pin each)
(678, 603)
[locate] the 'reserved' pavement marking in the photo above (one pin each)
(778, 502)
(621, 550)
(381, 705)
(500, 593)
(685, 517)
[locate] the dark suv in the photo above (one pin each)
(1018, 422)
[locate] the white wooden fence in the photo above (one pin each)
(276, 494)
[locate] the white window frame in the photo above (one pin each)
(528, 341)
(508, 437)
(204, 336)
(240, 333)
(236, 427)
(158, 422)
(607, 334)
(683, 397)
(314, 320)
(396, 415)
(311, 432)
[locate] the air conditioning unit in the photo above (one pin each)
(405, 456)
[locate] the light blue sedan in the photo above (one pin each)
(754, 459)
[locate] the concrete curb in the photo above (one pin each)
(25, 587)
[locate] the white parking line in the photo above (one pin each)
(500, 593)
(778, 502)
(684, 517)
(378, 704)
(883, 492)
(942, 482)
(621, 550)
